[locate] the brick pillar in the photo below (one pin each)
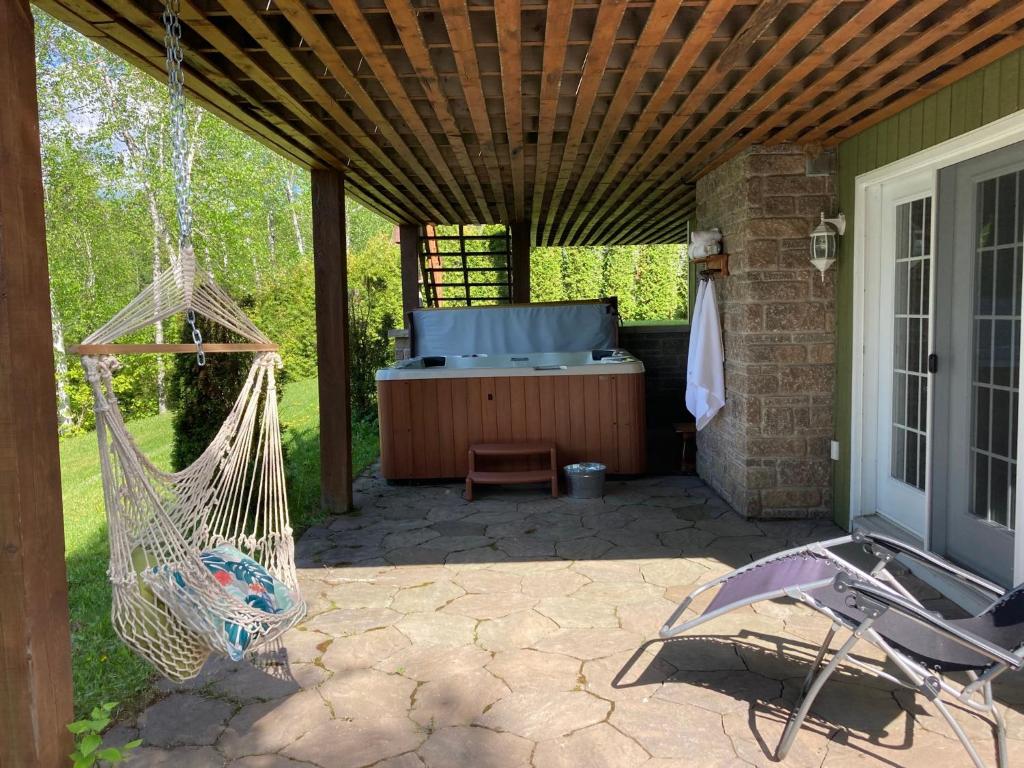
(767, 452)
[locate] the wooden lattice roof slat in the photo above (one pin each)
(875, 77)
(556, 36)
(587, 120)
(914, 76)
(456, 19)
(403, 15)
(700, 35)
(865, 16)
(307, 26)
(633, 185)
(661, 15)
(609, 16)
(508, 20)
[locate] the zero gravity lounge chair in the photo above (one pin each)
(875, 607)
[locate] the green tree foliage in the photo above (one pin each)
(202, 397)
(650, 281)
(110, 207)
(657, 272)
(581, 273)
(546, 275)
(619, 278)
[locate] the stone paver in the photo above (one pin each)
(520, 631)
(599, 746)
(183, 719)
(539, 715)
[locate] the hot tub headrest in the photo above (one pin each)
(516, 328)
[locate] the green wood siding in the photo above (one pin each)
(980, 98)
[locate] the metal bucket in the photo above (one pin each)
(585, 481)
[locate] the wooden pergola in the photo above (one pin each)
(574, 121)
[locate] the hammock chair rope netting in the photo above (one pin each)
(167, 603)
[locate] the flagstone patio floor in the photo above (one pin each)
(519, 630)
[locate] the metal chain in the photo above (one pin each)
(179, 127)
(179, 147)
(197, 337)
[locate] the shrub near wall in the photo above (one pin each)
(287, 314)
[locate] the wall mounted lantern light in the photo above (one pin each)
(823, 242)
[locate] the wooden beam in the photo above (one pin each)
(697, 39)
(355, 22)
(796, 74)
(409, 247)
(760, 112)
(403, 15)
(680, 197)
(508, 21)
(556, 36)
(658, 21)
(169, 349)
(759, 21)
(609, 16)
(313, 35)
(520, 263)
(878, 79)
(911, 15)
(991, 53)
(330, 269)
(463, 46)
(256, 26)
(35, 635)
(916, 77)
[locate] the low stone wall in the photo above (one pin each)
(767, 452)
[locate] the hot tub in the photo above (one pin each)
(432, 408)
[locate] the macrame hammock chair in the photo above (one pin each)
(167, 604)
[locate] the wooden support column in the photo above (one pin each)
(520, 263)
(331, 275)
(409, 245)
(35, 637)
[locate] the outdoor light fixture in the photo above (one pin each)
(823, 242)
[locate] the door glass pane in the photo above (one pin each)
(997, 320)
(910, 342)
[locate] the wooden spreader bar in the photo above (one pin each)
(169, 349)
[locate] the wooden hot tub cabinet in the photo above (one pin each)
(428, 424)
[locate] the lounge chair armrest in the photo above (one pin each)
(987, 588)
(873, 597)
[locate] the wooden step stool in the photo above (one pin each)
(514, 476)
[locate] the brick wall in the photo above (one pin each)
(662, 349)
(767, 452)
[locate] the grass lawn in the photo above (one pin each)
(105, 670)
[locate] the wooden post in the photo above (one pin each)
(409, 244)
(331, 274)
(520, 263)
(35, 637)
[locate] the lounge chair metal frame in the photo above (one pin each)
(873, 594)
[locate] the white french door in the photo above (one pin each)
(896, 419)
(980, 265)
(938, 301)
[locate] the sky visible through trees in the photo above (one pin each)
(111, 226)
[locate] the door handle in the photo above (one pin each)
(933, 363)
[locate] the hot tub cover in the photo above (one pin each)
(515, 329)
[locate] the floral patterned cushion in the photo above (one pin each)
(246, 580)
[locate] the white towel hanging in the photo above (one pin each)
(707, 386)
(691, 352)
